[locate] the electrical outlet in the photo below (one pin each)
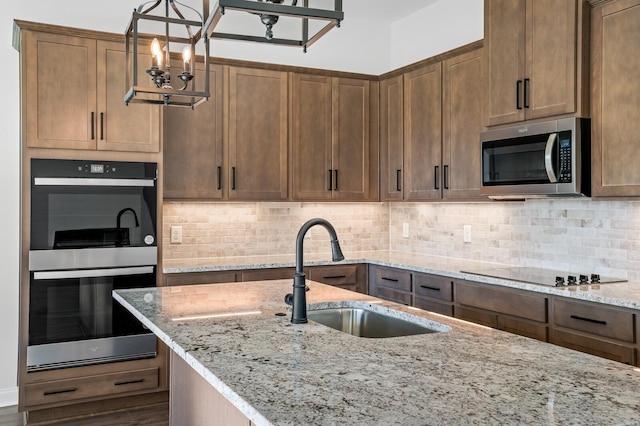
(466, 233)
(405, 230)
(176, 234)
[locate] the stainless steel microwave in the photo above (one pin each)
(547, 159)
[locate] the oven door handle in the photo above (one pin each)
(43, 181)
(90, 273)
(548, 152)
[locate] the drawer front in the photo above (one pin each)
(477, 316)
(525, 328)
(594, 319)
(90, 386)
(268, 274)
(521, 305)
(434, 286)
(335, 275)
(392, 295)
(392, 278)
(594, 346)
(200, 278)
(433, 306)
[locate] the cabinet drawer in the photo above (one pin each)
(513, 303)
(90, 386)
(594, 346)
(524, 328)
(477, 316)
(189, 278)
(594, 319)
(392, 295)
(433, 286)
(433, 306)
(334, 275)
(268, 274)
(393, 278)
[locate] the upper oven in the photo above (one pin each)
(537, 160)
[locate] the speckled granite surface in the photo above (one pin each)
(308, 374)
(625, 294)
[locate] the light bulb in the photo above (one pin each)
(186, 58)
(156, 54)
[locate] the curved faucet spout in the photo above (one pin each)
(119, 218)
(299, 299)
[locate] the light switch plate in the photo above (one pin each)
(466, 233)
(176, 234)
(405, 230)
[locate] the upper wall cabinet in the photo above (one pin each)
(73, 90)
(430, 121)
(535, 59)
(257, 134)
(331, 138)
(616, 99)
(192, 143)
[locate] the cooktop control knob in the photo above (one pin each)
(595, 278)
(571, 280)
(584, 279)
(559, 281)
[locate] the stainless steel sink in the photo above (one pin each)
(368, 323)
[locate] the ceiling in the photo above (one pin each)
(383, 10)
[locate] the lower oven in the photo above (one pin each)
(92, 230)
(73, 319)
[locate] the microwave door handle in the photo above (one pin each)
(548, 163)
(92, 273)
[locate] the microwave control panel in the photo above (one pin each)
(564, 168)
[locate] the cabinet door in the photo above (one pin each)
(615, 99)
(462, 124)
(350, 153)
(551, 58)
(391, 139)
(423, 133)
(257, 134)
(59, 91)
(120, 127)
(504, 49)
(193, 145)
(311, 135)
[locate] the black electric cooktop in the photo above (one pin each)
(548, 277)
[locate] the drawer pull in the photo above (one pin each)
(129, 382)
(430, 288)
(390, 279)
(334, 277)
(589, 320)
(55, 392)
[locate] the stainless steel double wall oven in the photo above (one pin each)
(93, 229)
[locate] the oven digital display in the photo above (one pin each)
(97, 168)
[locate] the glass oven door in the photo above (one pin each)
(73, 319)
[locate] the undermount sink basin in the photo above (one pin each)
(362, 322)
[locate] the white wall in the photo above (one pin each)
(438, 28)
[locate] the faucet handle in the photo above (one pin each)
(288, 299)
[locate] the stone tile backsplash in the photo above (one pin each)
(576, 234)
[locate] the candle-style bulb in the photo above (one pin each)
(186, 58)
(156, 54)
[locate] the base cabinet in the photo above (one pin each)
(348, 277)
(194, 402)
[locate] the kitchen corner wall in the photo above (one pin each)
(569, 234)
(260, 229)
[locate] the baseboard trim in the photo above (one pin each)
(8, 397)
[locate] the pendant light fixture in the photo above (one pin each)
(269, 12)
(169, 85)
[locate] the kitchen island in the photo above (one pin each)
(234, 337)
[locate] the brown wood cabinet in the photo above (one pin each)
(192, 143)
(331, 138)
(349, 277)
(536, 53)
(608, 332)
(429, 126)
(73, 91)
(433, 293)
(390, 284)
(518, 312)
(257, 134)
(615, 99)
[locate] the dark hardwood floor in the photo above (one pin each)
(151, 415)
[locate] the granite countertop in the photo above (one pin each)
(623, 294)
(279, 373)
